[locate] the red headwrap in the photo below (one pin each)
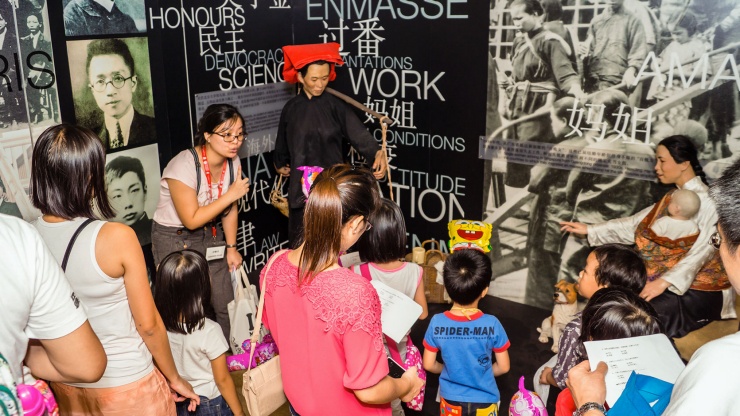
(298, 56)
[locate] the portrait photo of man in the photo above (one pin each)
(128, 189)
(103, 17)
(113, 79)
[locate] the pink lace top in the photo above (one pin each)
(329, 336)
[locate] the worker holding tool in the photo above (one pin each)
(313, 126)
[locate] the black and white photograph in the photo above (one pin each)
(104, 17)
(13, 114)
(38, 65)
(15, 175)
(580, 95)
(111, 84)
(132, 180)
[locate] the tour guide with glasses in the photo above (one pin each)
(199, 188)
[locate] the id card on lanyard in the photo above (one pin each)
(217, 251)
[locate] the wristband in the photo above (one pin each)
(230, 245)
(589, 406)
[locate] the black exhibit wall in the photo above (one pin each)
(442, 69)
(424, 64)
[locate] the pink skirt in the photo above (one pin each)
(147, 396)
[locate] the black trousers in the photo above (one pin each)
(295, 226)
(683, 314)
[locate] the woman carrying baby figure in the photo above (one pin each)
(689, 267)
(382, 249)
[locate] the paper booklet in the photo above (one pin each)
(350, 259)
(399, 312)
(651, 355)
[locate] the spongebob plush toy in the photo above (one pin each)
(470, 234)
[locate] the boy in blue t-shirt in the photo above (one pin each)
(466, 337)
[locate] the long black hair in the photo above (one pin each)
(182, 291)
(682, 150)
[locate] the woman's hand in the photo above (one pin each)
(574, 227)
(233, 258)
(239, 188)
(411, 376)
(654, 289)
(586, 385)
(185, 391)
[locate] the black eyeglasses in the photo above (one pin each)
(116, 80)
(715, 240)
(230, 138)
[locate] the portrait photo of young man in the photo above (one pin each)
(115, 81)
(132, 183)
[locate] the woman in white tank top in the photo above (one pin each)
(106, 269)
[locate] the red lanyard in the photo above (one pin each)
(207, 171)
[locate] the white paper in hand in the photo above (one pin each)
(651, 355)
(399, 312)
(350, 259)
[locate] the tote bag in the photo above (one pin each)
(263, 385)
(242, 311)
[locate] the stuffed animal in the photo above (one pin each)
(566, 305)
(466, 234)
(526, 403)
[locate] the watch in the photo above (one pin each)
(230, 245)
(589, 406)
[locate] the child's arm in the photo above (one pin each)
(421, 299)
(547, 378)
(430, 362)
(502, 364)
(225, 384)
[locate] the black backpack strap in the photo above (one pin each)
(72, 242)
(197, 168)
(231, 171)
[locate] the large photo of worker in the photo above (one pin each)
(563, 76)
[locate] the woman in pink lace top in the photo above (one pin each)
(326, 319)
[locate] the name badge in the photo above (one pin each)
(215, 253)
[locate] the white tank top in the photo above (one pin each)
(105, 302)
(405, 279)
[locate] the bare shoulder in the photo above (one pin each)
(114, 234)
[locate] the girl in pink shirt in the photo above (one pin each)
(326, 319)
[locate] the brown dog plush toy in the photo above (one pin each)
(566, 305)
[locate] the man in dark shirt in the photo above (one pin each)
(96, 17)
(113, 82)
(312, 128)
(40, 92)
